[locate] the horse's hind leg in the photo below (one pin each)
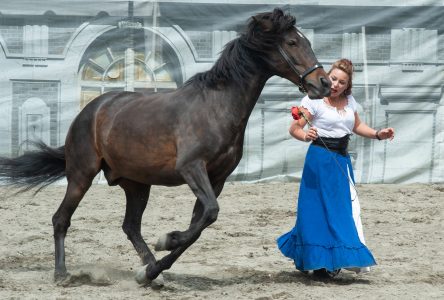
(82, 165)
(137, 195)
(77, 187)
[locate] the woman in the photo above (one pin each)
(328, 233)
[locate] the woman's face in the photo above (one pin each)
(339, 82)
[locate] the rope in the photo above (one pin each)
(334, 157)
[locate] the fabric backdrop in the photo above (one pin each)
(57, 55)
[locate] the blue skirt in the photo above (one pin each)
(325, 234)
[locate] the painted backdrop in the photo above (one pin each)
(56, 56)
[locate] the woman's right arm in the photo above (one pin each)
(297, 131)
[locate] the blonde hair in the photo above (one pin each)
(346, 66)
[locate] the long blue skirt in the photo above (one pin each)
(325, 235)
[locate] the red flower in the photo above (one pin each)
(296, 113)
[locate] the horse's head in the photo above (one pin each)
(287, 52)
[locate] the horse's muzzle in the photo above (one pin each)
(320, 89)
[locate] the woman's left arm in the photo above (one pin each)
(364, 130)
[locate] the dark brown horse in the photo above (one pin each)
(193, 135)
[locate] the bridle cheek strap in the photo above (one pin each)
(293, 67)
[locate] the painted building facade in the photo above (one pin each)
(56, 56)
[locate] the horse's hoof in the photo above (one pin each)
(60, 276)
(142, 279)
(162, 243)
(141, 276)
(158, 282)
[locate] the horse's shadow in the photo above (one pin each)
(197, 282)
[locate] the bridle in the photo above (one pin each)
(293, 67)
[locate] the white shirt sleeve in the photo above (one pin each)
(309, 105)
(352, 103)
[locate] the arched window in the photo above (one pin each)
(128, 61)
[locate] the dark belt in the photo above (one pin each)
(338, 145)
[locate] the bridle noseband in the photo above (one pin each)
(293, 67)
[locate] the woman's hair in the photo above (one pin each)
(346, 66)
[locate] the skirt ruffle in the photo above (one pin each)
(313, 257)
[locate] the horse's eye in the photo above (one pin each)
(291, 43)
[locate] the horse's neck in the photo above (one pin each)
(244, 97)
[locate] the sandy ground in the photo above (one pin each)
(235, 258)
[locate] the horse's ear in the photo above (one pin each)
(263, 22)
(277, 12)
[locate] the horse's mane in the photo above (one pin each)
(241, 57)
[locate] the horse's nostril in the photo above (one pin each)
(325, 82)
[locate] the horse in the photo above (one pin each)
(193, 135)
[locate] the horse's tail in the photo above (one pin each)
(33, 169)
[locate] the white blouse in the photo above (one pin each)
(328, 120)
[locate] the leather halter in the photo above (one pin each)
(293, 67)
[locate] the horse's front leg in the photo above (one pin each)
(205, 213)
(175, 239)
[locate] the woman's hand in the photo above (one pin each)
(311, 134)
(386, 133)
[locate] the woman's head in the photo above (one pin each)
(341, 76)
